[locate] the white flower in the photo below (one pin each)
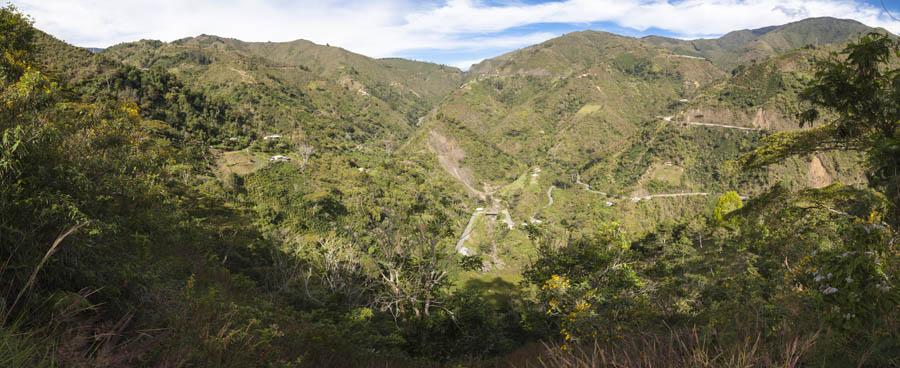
(829, 290)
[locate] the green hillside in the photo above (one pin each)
(594, 200)
(311, 94)
(611, 121)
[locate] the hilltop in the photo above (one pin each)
(744, 46)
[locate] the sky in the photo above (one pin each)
(451, 32)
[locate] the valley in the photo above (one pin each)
(224, 203)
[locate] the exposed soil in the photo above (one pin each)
(817, 176)
(450, 156)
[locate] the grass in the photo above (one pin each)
(588, 109)
(18, 349)
(240, 162)
(679, 349)
(669, 174)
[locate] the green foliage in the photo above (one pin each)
(481, 320)
(17, 349)
(727, 203)
(589, 286)
(15, 43)
(129, 247)
(858, 94)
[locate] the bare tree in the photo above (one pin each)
(413, 277)
(340, 267)
(328, 266)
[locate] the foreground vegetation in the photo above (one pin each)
(123, 244)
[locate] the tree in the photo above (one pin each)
(728, 202)
(849, 280)
(413, 275)
(589, 286)
(856, 96)
(16, 37)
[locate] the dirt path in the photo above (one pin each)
(687, 56)
(508, 219)
(724, 126)
(670, 195)
(668, 119)
(586, 186)
(460, 248)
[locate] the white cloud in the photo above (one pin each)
(684, 17)
(465, 64)
(392, 27)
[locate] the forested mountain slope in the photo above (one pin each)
(302, 89)
(626, 129)
(210, 202)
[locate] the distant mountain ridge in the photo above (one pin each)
(742, 46)
(325, 94)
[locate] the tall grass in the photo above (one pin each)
(685, 349)
(31, 279)
(19, 349)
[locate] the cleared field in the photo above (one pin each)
(240, 162)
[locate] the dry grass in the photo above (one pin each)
(687, 349)
(240, 162)
(37, 269)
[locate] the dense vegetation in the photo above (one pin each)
(141, 225)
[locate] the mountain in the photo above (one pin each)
(214, 202)
(323, 94)
(744, 46)
(593, 122)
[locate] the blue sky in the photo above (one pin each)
(453, 32)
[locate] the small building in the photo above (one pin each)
(279, 158)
